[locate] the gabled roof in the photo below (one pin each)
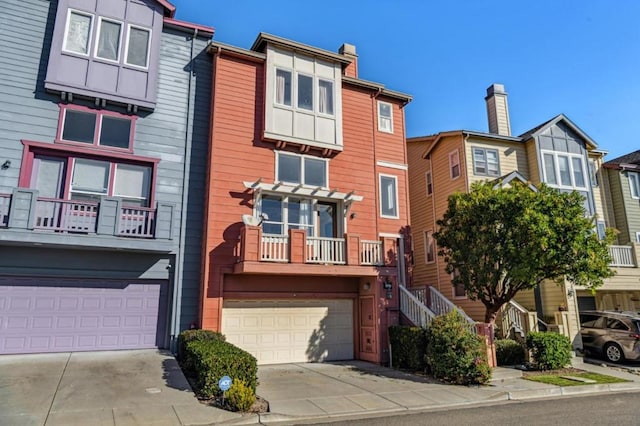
(555, 120)
(510, 177)
(629, 161)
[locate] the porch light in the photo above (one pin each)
(6, 165)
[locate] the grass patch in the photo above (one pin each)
(556, 379)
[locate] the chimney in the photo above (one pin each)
(349, 50)
(498, 110)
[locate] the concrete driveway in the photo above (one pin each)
(99, 388)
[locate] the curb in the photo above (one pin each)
(573, 390)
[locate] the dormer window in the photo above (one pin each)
(77, 36)
(103, 129)
(109, 35)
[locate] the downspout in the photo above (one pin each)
(177, 294)
(375, 174)
(433, 218)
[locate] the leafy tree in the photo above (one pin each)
(501, 240)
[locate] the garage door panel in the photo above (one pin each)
(282, 331)
(49, 315)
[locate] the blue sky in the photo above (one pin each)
(580, 58)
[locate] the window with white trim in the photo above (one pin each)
(312, 94)
(601, 228)
(454, 164)
(138, 46)
(637, 237)
(593, 176)
(385, 117)
(563, 170)
(77, 36)
(389, 196)
(302, 169)
(428, 177)
(634, 184)
(283, 212)
(109, 39)
(485, 162)
(429, 247)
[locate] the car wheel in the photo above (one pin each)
(613, 352)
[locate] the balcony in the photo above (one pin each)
(109, 223)
(264, 253)
(624, 256)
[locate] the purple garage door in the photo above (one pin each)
(60, 315)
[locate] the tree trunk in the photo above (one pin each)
(490, 313)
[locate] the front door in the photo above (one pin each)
(327, 220)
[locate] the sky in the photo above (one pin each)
(577, 57)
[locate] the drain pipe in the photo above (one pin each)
(178, 269)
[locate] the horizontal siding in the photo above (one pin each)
(532, 160)
(511, 157)
(632, 207)
(618, 205)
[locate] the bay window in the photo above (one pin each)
(108, 44)
(283, 87)
(564, 170)
(77, 36)
(307, 89)
(138, 47)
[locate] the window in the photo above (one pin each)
(138, 43)
(388, 196)
(325, 97)
(454, 164)
(99, 128)
(429, 181)
(90, 180)
(108, 46)
(637, 237)
(132, 184)
(305, 92)
(458, 289)
(285, 212)
(485, 162)
(77, 35)
(283, 87)
(634, 185)
(385, 117)
(593, 177)
(300, 169)
(564, 170)
(601, 229)
(429, 247)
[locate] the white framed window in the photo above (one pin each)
(284, 212)
(637, 237)
(302, 169)
(593, 176)
(601, 229)
(283, 87)
(385, 117)
(89, 179)
(454, 164)
(485, 162)
(132, 183)
(428, 177)
(305, 92)
(109, 39)
(634, 184)
(564, 170)
(325, 96)
(138, 46)
(429, 247)
(389, 196)
(77, 33)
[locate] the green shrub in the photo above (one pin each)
(240, 396)
(454, 353)
(213, 359)
(509, 352)
(190, 335)
(408, 346)
(549, 350)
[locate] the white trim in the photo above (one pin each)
(396, 205)
(333, 96)
(428, 176)
(280, 188)
(275, 85)
(99, 27)
(457, 153)
(556, 169)
(637, 237)
(635, 177)
(485, 152)
(66, 31)
(126, 47)
(389, 235)
(390, 118)
(392, 165)
(313, 95)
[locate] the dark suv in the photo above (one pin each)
(613, 334)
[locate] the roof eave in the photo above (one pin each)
(264, 38)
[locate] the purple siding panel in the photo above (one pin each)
(47, 315)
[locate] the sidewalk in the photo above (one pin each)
(333, 391)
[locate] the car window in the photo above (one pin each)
(616, 324)
(590, 320)
(636, 324)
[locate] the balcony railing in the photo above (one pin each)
(5, 199)
(622, 256)
(23, 209)
(371, 252)
(275, 248)
(325, 250)
(65, 215)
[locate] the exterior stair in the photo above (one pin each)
(420, 305)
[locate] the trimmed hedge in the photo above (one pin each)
(549, 350)
(454, 353)
(190, 336)
(509, 352)
(408, 346)
(213, 359)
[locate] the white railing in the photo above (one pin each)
(514, 317)
(420, 293)
(274, 248)
(417, 312)
(5, 199)
(137, 222)
(66, 216)
(440, 305)
(371, 252)
(621, 256)
(325, 250)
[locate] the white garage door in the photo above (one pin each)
(283, 331)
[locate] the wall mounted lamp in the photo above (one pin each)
(6, 165)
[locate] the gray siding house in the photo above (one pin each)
(103, 144)
(623, 174)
